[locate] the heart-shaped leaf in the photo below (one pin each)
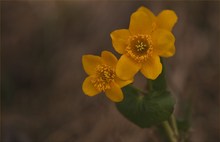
(146, 110)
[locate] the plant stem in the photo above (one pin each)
(173, 123)
(169, 131)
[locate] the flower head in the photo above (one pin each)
(148, 38)
(102, 76)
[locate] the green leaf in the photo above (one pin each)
(147, 110)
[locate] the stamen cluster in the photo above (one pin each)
(140, 47)
(104, 77)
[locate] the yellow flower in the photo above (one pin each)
(147, 38)
(102, 76)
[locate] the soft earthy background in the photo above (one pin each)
(41, 71)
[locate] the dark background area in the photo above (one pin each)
(42, 43)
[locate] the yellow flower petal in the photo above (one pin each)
(152, 68)
(120, 40)
(140, 23)
(90, 62)
(115, 93)
(164, 43)
(88, 87)
(166, 19)
(123, 83)
(109, 59)
(147, 11)
(126, 68)
(170, 52)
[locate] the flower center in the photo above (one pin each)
(140, 47)
(104, 77)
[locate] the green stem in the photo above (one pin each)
(139, 90)
(174, 125)
(150, 85)
(169, 131)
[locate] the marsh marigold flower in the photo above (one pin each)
(102, 76)
(141, 46)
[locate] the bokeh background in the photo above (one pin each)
(42, 43)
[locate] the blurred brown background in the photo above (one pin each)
(42, 43)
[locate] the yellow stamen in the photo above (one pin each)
(104, 77)
(140, 47)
